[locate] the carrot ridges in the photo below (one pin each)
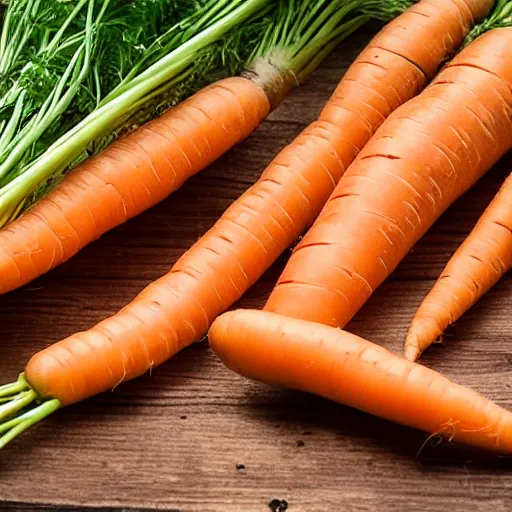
(389, 203)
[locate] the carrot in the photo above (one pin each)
(476, 266)
(342, 367)
(133, 174)
(423, 157)
(146, 166)
(178, 309)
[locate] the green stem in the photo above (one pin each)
(500, 17)
(22, 41)
(8, 50)
(346, 30)
(17, 403)
(21, 408)
(5, 32)
(14, 427)
(324, 34)
(14, 388)
(58, 35)
(325, 17)
(9, 130)
(385, 10)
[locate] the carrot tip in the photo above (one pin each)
(411, 352)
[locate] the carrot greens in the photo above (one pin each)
(500, 17)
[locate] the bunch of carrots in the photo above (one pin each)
(419, 117)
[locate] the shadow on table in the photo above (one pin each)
(290, 409)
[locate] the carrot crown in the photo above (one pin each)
(302, 34)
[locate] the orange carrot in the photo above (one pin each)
(427, 153)
(134, 173)
(478, 264)
(342, 367)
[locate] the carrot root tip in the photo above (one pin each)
(412, 352)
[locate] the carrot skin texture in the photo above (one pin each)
(423, 157)
(178, 309)
(479, 263)
(342, 367)
(133, 174)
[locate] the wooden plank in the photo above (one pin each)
(38, 507)
(195, 437)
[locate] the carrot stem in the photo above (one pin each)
(14, 427)
(385, 10)
(17, 403)
(344, 31)
(14, 387)
(500, 17)
(328, 36)
(20, 408)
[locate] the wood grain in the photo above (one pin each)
(195, 437)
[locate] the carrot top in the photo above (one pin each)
(16, 397)
(170, 62)
(303, 34)
(500, 17)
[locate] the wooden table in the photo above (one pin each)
(196, 437)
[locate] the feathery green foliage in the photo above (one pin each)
(386, 10)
